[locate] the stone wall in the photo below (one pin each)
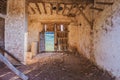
(16, 29)
(80, 34)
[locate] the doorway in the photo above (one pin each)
(54, 37)
(49, 41)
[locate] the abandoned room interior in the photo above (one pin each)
(59, 39)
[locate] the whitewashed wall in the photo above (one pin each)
(15, 28)
(107, 39)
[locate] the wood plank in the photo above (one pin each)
(105, 3)
(1, 49)
(51, 9)
(11, 67)
(38, 8)
(95, 8)
(44, 8)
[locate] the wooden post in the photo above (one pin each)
(10, 66)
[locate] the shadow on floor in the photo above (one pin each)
(59, 67)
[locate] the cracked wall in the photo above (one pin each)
(107, 39)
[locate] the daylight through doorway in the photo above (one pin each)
(49, 41)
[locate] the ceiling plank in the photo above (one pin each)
(44, 8)
(48, 8)
(62, 6)
(33, 5)
(41, 8)
(51, 8)
(95, 8)
(38, 8)
(105, 3)
(30, 11)
(33, 11)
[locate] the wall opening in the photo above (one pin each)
(54, 37)
(49, 41)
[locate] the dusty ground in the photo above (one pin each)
(58, 66)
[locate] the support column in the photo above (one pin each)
(16, 29)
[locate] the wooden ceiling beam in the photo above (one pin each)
(44, 8)
(105, 3)
(38, 8)
(32, 9)
(57, 6)
(51, 8)
(64, 9)
(95, 8)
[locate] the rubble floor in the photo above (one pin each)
(58, 66)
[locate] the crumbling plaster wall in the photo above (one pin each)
(16, 29)
(80, 34)
(107, 39)
(102, 43)
(84, 37)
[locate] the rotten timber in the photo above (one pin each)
(38, 8)
(10, 66)
(105, 3)
(4, 51)
(95, 8)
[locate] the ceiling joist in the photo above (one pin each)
(105, 3)
(95, 8)
(38, 8)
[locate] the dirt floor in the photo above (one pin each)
(58, 66)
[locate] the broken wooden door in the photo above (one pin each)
(2, 24)
(42, 42)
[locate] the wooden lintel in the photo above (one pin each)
(105, 3)
(95, 8)
(38, 8)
